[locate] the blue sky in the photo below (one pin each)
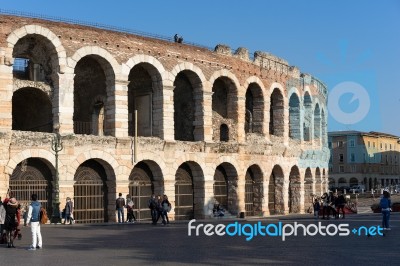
(353, 46)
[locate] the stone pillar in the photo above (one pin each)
(207, 112)
(208, 198)
(265, 200)
(285, 194)
(241, 194)
(63, 103)
(241, 119)
(6, 89)
(168, 130)
(121, 109)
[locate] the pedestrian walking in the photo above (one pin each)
(69, 207)
(385, 205)
(34, 223)
(10, 223)
(166, 205)
(317, 207)
(2, 219)
(129, 209)
(119, 206)
(152, 204)
(160, 210)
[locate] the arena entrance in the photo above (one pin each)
(225, 187)
(253, 191)
(32, 176)
(90, 193)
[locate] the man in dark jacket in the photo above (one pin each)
(119, 205)
(153, 208)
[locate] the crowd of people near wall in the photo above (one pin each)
(333, 205)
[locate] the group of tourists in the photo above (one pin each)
(332, 205)
(159, 207)
(10, 217)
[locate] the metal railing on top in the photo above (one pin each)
(96, 25)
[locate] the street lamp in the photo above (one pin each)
(56, 146)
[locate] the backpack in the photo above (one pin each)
(43, 216)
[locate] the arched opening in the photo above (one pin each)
(307, 117)
(253, 191)
(317, 122)
(276, 112)
(145, 179)
(33, 175)
(323, 127)
(254, 113)
(224, 133)
(332, 183)
(91, 195)
(188, 97)
(294, 117)
(353, 182)
(189, 191)
(225, 187)
(224, 106)
(294, 190)
(36, 59)
(342, 182)
(275, 191)
(32, 111)
(308, 189)
(93, 83)
(145, 96)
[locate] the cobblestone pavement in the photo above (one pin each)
(132, 244)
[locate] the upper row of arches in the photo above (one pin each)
(98, 78)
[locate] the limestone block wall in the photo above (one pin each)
(177, 132)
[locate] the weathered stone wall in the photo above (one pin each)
(116, 55)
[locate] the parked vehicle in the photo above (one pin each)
(357, 189)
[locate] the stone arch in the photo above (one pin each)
(254, 109)
(308, 114)
(294, 190)
(277, 113)
(225, 187)
(317, 122)
(145, 94)
(145, 179)
(37, 116)
(225, 90)
(308, 188)
(254, 193)
(94, 191)
(188, 106)
(19, 33)
(342, 182)
(353, 182)
(275, 191)
(45, 155)
(33, 175)
(94, 77)
(294, 116)
(189, 191)
(157, 71)
(110, 164)
(323, 127)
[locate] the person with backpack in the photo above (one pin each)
(119, 206)
(34, 222)
(69, 207)
(385, 205)
(10, 223)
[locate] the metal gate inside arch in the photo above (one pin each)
(27, 180)
(90, 197)
(140, 188)
(183, 195)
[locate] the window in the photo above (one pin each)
(341, 157)
(369, 144)
(340, 144)
(373, 144)
(330, 169)
(329, 145)
(381, 146)
(353, 168)
(341, 168)
(385, 147)
(390, 147)
(353, 157)
(352, 144)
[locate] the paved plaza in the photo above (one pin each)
(142, 243)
